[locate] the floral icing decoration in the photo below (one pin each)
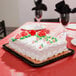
(39, 35)
(24, 33)
(42, 33)
(13, 39)
(42, 45)
(52, 37)
(18, 36)
(32, 32)
(56, 39)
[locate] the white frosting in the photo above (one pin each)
(33, 26)
(26, 47)
(73, 41)
(71, 26)
(30, 49)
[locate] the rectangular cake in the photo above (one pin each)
(38, 45)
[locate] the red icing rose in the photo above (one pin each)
(24, 33)
(18, 36)
(32, 32)
(42, 33)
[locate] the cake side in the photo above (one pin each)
(36, 54)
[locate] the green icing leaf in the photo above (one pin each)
(48, 36)
(40, 37)
(51, 41)
(29, 35)
(13, 39)
(23, 37)
(56, 39)
(53, 38)
(42, 45)
(43, 36)
(37, 35)
(46, 39)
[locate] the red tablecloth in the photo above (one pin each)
(12, 66)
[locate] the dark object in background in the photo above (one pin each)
(39, 7)
(64, 18)
(62, 7)
(73, 10)
(50, 20)
(64, 10)
(2, 29)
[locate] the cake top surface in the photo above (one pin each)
(33, 26)
(53, 28)
(39, 39)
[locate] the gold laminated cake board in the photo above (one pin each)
(36, 63)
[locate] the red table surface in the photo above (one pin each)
(12, 66)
